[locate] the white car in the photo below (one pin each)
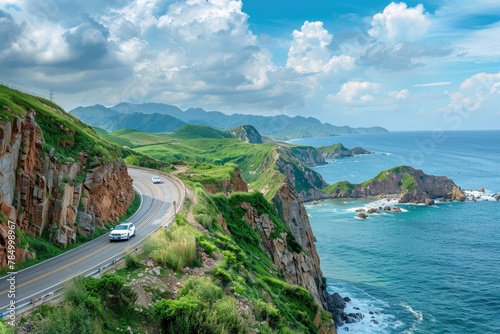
(122, 232)
(156, 179)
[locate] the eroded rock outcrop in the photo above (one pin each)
(300, 266)
(40, 193)
(409, 185)
(340, 151)
(228, 185)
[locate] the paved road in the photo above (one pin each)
(156, 209)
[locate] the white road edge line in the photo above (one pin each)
(167, 221)
(68, 252)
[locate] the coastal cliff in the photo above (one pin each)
(293, 250)
(340, 151)
(46, 195)
(227, 185)
(407, 184)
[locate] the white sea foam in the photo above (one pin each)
(480, 196)
(377, 204)
(378, 322)
(417, 314)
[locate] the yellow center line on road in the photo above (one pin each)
(97, 251)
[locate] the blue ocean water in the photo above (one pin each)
(426, 269)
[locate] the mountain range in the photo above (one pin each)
(159, 117)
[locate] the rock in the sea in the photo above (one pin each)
(360, 210)
(347, 299)
(481, 190)
(373, 210)
(396, 209)
(354, 317)
(497, 197)
(336, 305)
(387, 208)
(362, 215)
(457, 194)
(429, 202)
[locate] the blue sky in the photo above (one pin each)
(415, 65)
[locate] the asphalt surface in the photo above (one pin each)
(156, 209)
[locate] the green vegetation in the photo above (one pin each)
(383, 174)
(65, 133)
(246, 269)
(131, 137)
(408, 183)
(134, 206)
(174, 248)
(340, 187)
(190, 131)
(208, 174)
(45, 249)
(90, 306)
(201, 307)
(332, 149)
(279, 127)
(3, 218)
(5, 328)
(213, 154)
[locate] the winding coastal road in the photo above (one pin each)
(156, 210)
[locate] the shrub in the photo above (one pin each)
(222, 275)
(203, 288)
(131, 260)
(267, 312)
(175, 247)
(111, 288)
(208, 247)
(192, 313)
(229, 256)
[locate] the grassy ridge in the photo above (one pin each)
(341, 186)
(383, 174)
(65, 133)
(261, 164)
(203, 304)
(328, 150)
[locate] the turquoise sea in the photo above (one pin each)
(426, 269)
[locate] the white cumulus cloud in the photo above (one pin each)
(399, 23)
(310, 51)
(481, 91)
(355, 92)
(400, 95)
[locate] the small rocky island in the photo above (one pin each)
(340, 151)
(405, 183)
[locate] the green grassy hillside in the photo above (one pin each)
(59, 128)
(327, 150)
(191, 131)
(264, 166)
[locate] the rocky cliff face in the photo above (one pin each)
(40, 194)
(228, 185)
(340, 151)
(411, 185)
(308, 155)
(247, 133)
(300, 268)
(306, 181)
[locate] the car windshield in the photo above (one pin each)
(121, 227)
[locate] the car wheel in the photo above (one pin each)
(128, 236)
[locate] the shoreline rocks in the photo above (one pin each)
(407, 184)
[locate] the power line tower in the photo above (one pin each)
(51, 95)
